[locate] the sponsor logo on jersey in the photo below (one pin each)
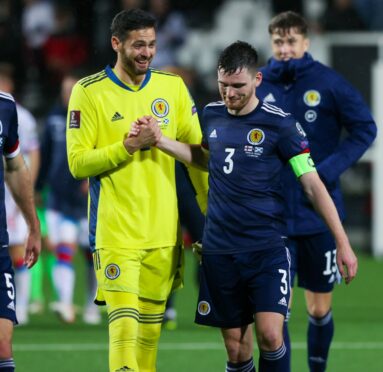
(310, 116)
(124, 369)
(300, 129)
(112, 271)
(282, 301)
(269, 98)
(312, 98)
(160, 107)
(117, 116)
(256, 136)
(204, 308)
(213, 134)
(75, 119)
(253, 151)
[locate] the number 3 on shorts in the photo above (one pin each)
(284, 286)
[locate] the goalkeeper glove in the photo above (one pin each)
(197, 250)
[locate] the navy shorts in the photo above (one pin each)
(7, 287)
(233, 287)
(313, 259)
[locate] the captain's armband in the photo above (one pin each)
(302, 163)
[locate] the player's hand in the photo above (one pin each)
(197, 250)
(144, 132)
(347, 262)
(32, 248)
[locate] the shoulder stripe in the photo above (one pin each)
(7, 96)
(272, 107)
(92, 79)
(160, 72)
(102, 77)
(274, 110)
(216, 103)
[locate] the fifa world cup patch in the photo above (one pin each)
(112, 271)
(203, 308)
(75, 119)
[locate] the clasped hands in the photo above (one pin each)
(144, 132)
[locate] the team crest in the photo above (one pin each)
(203, 308)
(160, 107)
(256, 136)
(312, 98)
(112, 271)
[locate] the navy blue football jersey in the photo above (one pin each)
(247, 154)
(9, 147)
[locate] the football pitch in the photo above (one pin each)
(48, 345)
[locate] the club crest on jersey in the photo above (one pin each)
(112, 271)
(300, 129)
(204, 308)
(312, 98)
(256, 136)
(160, 107)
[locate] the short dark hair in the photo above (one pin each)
(285, 21)
(130, 20)
(236, 56)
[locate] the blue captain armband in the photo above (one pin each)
(302, 163)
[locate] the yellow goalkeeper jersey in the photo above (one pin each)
(132, 198)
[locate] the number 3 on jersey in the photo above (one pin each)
(229, 164)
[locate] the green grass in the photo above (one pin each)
(48, 345)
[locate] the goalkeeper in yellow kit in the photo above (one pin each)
(133, 217)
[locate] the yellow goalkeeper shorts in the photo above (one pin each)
(150, 273)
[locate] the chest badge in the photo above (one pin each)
(312, 98)
(256, 136)
(160, 107)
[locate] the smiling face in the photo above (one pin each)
(237, 90)
(135, 53)
(288, 44)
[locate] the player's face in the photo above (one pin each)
(237, 90)
(137, 51)
(289, 44)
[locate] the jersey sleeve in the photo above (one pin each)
(82, 125)
(293, 140)
(189, 131)
(9, 118)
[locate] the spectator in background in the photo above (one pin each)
(17, 227)
(171, 33)
(341, 15)
(37, 25)
(371, 11)
(66, 211)
(11, 52)
(64, 49)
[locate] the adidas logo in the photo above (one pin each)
(11, 306)
(269, 98)
(213, 134)
(117, 116)
(282, 301)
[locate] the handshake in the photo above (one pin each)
(144, 132)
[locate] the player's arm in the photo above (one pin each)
(317, 193)
(85, 160)
(353, 115)
(19, 182)
(191, 154)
